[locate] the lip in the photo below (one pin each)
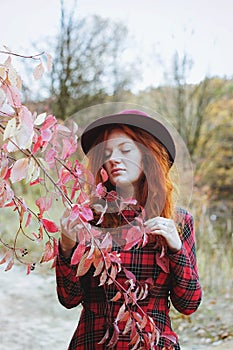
(116, 171)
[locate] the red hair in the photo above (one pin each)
(154, 188)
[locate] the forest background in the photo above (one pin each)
(91, 66)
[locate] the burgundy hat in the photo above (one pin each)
(130, 118)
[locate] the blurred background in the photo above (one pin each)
(173, 57)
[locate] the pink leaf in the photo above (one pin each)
(129, 274)
(69, 147)
(46, 135)
(19, 170)
(78, 253)
(48, 253)
(13, 96)
(49, 122)
(50, 225)
(132, 237)
(49, 62)
(101, 190)
(10, 129)
(86, 213)
(38, 71)
(50, 157)
(106, 242)
(104, 175)
(44, 204)
(74, 214)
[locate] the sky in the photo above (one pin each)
(201, 28)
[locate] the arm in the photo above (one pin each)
(185, 290)
(69, 290)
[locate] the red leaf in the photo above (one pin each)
(50, 225)
(49, 122)
(84, 265)
(48, 253)
(9, 265)
(121, 313)
(105, 337)
(4, 259)
(99, 267)
(28, 269)
(115, 336)
(132, 237)
(29, 218)
(37, 181)
(78, 253)
(103, 278)
(86, 213)
(129, 274)
(127, 326)
(116, 297)
(44, 204)
(106, 242)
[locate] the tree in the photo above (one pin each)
(186, 105)
(89, 62)
(215, 169)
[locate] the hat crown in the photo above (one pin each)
(131, 118)
(133, 111)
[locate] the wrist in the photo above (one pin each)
(66, 249)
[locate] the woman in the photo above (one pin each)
(136, 152)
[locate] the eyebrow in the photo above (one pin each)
(121, 144)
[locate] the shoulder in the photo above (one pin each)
(182, 215)
(184, 220)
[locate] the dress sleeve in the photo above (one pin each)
(69, 290)
(185, 292)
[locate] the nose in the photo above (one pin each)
(115, 157)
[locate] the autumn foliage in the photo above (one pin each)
(36, 149)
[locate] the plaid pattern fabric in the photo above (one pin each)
(181, 286)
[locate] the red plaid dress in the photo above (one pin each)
(181, 286)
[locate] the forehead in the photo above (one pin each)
(116, 137)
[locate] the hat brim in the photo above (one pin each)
(142, 121)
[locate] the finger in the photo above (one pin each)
(158, 220)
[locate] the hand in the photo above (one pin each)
(69, 230)
(165, 228)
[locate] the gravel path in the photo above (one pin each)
(31, 317)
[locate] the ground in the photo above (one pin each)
(32, 318)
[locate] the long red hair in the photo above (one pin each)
(154, 188)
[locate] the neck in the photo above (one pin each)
(127, 191)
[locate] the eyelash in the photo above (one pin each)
(106, 156)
